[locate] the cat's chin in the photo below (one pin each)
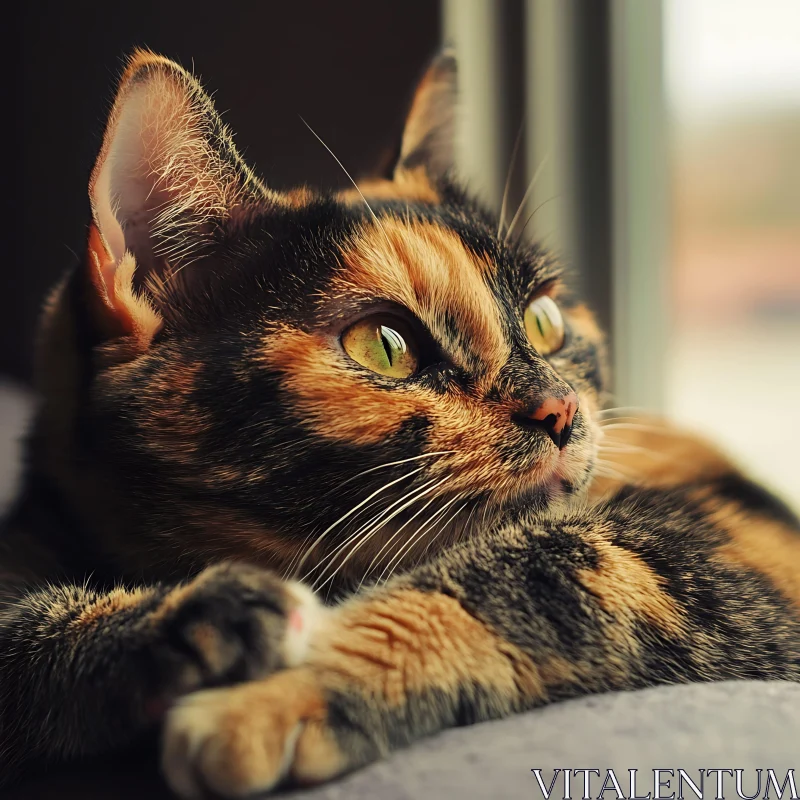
(557, 495)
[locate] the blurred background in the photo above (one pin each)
(665, 137)
(733, 355)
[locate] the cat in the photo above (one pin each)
(254, 402)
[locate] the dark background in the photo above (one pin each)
(348, 67)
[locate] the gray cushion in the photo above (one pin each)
(745, 725)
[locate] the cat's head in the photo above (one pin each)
(332, 379)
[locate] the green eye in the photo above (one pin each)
(544, 325)
(384, 344)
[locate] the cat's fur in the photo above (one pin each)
(198, 408)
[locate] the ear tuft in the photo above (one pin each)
(117, 308)
(429, 134)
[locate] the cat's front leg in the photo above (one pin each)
(383, 671)
(83, 672)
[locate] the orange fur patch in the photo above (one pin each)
(410, 641)
(584, 322)
(764, 545)
(412, 185)
(630, 590)
(109, 604)
(317, 757)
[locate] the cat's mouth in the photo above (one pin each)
(541, 473)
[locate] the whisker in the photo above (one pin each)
(526, 195)
(604, 460)
(290, 569)
(365, 509)
(439, 532)
(414, 537)
(467, 523)
(392, 464)
(614, 471)
(620, 467)
(353, 511)
(618, 447)
(617, 409)
(605, 423)
(630, 426)
(371, 532)
(623, 449)
(389, 541)
(534, 212)
(380, 517)
(485, 512)
(508, 179)
(610, 474)
(351, 179)
(418, 496)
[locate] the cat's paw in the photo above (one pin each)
(232, 623)
(244, 740)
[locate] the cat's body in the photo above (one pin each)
(346, 391)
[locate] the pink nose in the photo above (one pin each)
(554, 416)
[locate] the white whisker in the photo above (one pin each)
(630, 426)
(371, 526)
(414, 537)
(526, 195)
(618, 447)
(389, 541)
(466, 525)
(353, 511)
(376, 526)
(368, 508)
(508, 180)
(609, 474)
(619, 409)
(352, 180)
(393, 464)
(613, 471)
(442, 528)
(623, 449)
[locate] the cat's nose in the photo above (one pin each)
(554, 416)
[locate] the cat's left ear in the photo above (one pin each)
(166, 177)
(429, 133)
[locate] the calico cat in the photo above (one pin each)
(382, 395)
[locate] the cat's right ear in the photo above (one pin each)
(430, 127)
(167, 175)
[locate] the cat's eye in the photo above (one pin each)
(544, 325)
(383, 343)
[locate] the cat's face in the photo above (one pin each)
(318, 381)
